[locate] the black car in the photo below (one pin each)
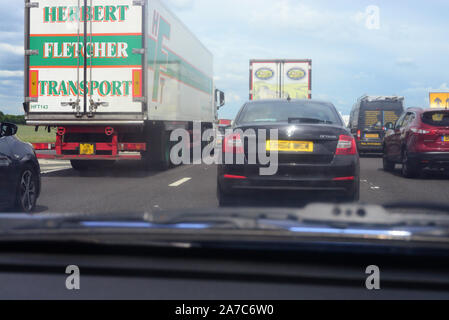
(315, 151)
(20, 181)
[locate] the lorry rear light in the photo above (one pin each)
(43, 146)
(346, 145)
(61, 131)
(233, 143)
(109, 131)
(132, 146)
(358, 135)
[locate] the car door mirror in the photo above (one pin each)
(8, 129)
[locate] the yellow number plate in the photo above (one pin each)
(446, 138)
(86, 148)
(372, 135)
(295, 146)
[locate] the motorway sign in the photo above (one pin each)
(439, 99)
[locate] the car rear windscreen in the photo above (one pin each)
(378, 114)
(307, 111)
(436, 118)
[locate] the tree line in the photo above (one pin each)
(12, 118)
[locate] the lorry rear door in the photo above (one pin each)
(56, 60)
(265, 80)
(85, 57)
(114, 67)
(296, 79)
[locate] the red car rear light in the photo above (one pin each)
(231, 176)
(346, 145)
(343, 178)
(233, 143)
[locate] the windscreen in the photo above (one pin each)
(289, 111)
(173, 122)
(379, 114)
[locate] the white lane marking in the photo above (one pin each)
(54, 170)
(179, 182)
(46, 161)
(371, 185)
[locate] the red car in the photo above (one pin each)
(418, 140)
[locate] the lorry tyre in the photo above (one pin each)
(80, 165)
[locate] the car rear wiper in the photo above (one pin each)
(308, 120)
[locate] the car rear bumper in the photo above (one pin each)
(330, 177)
(369, 146)
(430, 159)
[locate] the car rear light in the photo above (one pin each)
(231, 176)
(421, 131)
(358, 135)
(233, 143)
(4, 161)
(343, 178)
(346, 145)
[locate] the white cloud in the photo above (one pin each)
(11, 74)
(181, 4)
(8, 48)
(405, 61)
(442, 88)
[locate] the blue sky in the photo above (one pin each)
(408, 55)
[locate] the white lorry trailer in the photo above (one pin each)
(115, 77)
(280, 79)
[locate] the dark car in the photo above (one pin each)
(315, 151)
(419, 139)
(370, 117)
(20, 182)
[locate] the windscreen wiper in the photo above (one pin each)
(334, 215)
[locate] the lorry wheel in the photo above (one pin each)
(79, 165)
(166, 163)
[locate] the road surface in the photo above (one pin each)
(126, 187)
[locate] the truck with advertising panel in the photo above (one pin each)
(280, 79)
(115, 77)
